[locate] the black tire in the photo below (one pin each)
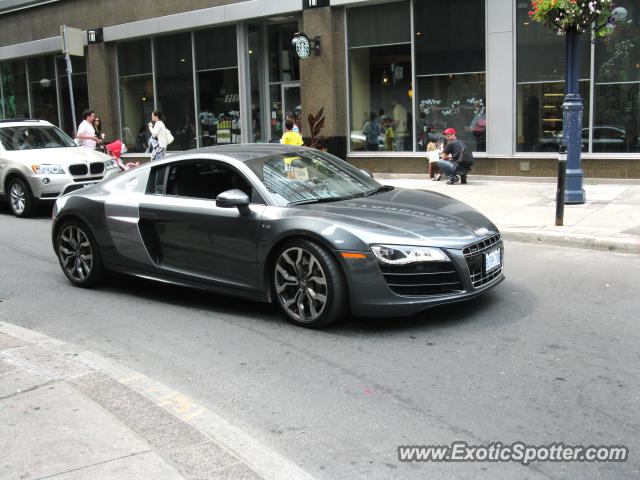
(299, 269)
(78, 254)
(21, 201)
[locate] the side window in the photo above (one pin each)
(157, 180)
(205, 180)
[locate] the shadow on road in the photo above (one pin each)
(43, 211)
(436, 318)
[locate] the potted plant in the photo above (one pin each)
(565, 16)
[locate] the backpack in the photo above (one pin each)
(466, 158)
(466, 161)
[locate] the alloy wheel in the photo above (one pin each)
(75, 252)
(301, 284)
(18, 198)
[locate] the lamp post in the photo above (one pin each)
(572, 110)
(571, 18)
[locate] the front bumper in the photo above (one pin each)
(371, 295)
(50, 187)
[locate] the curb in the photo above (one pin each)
(264, 461)
(574, 240)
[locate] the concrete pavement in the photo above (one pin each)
(524, 209)
(70, 414)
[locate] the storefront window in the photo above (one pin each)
(136, 92)
(14, 89)
(450, 69)
(218, 89)
(380, 78)
(174, 81)
(284, 65)
(540, 85)
(80, 91)
(616, 121)
(284, 75)
(44, 98)
(256, 76)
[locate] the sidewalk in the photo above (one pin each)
(524, 209)
(70, 414)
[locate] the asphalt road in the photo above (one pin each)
(551, 355)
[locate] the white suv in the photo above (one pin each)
(38, 161)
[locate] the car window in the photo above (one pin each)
(199, 179)
(32, 137)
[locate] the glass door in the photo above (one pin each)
(291, 103)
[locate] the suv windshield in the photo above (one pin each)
(311, 177)
(32, 137)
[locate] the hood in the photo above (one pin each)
(416, 215)
(61, 156)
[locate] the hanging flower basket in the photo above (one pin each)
(565, 16)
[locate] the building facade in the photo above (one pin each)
(225, 71)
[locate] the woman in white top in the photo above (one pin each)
(158, 136)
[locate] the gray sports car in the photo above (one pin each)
(280, 223)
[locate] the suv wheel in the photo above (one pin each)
(21, 199)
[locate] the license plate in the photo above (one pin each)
(491, 260)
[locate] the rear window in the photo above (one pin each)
(32, 137)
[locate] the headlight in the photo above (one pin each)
(47, 169)
(405, 254)
(109, 164)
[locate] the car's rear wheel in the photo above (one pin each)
(309, 285)
(21, 200)
(78, 254)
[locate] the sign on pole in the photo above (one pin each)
(72, 44)
(74, 41)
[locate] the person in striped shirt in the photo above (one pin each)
(371, 132)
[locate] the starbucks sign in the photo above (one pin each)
(301, 45)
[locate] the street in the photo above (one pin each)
(550, 355)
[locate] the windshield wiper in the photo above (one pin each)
(383, 188)
(326, 199)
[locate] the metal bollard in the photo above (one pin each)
(562, 177)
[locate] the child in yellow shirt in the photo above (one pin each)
(290, 137)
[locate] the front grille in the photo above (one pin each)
(474, 254)
(482, 245)
(422, 279)
(96, 168)
(78, 169)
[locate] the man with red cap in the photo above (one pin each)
(456, 159)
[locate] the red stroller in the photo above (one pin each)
(115, 150)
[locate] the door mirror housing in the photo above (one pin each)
(234, 198)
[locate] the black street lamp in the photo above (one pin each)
(571, 18)
(572, 110)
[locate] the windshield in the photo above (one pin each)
(32, 137)
(310, 177)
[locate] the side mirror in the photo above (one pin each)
(234, 198)
(367, 172)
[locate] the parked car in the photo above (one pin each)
(605, 139)
(39, 162)
(359, 141)
(284, 224)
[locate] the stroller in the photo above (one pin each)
(116, 149)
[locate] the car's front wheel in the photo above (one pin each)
(21, 200)
(309, 285)
(78, 254)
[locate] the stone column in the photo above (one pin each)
(103, 86)
(500, 78)
(322, 77)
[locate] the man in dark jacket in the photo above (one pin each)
(456, 159)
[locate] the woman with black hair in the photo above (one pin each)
(158, 140)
